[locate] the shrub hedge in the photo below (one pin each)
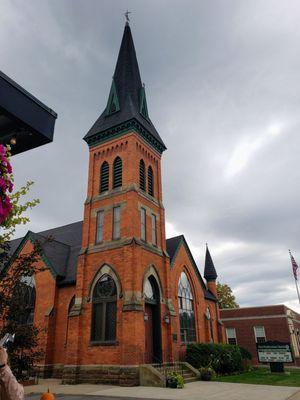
(223, 358)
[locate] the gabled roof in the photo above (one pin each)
(173, 247)
(128, 96)
(60, 253)
(210, 273)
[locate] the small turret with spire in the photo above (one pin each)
(210, 273)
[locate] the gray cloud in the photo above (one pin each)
(223, 89)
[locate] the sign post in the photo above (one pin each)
(275, 353)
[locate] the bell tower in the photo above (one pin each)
(124, 222)
(125, 162)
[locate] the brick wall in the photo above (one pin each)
(67, 339)
(272, 318)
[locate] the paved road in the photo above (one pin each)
(192, 391)
(81, 397)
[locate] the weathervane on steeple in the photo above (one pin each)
(127, 17)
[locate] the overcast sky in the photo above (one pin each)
(223, 90)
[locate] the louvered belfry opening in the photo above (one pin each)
(117, 176)
(142, 175)
(104, 177)
(113, 107)
(150, 182)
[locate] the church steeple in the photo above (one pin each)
(210, 273)
(127, 106)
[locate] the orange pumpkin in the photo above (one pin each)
(47, 396)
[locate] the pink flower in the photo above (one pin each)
(10, 186)
(3, 184)
(8, 167)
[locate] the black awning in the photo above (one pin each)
(23, 117)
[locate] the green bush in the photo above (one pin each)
(175, 381)
(206, 373)
(246, 355)
(223, 358)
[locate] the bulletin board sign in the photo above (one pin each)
(274, 352)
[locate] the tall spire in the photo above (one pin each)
(210, 273)
(126, 107)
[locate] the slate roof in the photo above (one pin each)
(129, 87)
(173, 245)
(62, 251)
(209, 295)
(210, 273)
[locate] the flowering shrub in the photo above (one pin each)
(6, 185)
(12, 211)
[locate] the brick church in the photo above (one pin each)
(115, 293)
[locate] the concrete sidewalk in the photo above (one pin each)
(192, 391)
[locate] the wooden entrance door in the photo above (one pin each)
(149, 334)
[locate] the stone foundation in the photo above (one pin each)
(122, 375)
(50, 371)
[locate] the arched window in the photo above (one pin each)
(25, 295)
(71, 304)
(186, 310)
(151, 291)
(104, 177)
(142, 175)
(150, 181)
(104, 316)
(117, 173)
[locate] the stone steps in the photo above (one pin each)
(188, 373)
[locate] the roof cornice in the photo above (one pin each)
(121, 129)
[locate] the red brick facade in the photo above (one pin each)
(279, 322)
(66, 336)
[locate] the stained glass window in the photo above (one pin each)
(186, 310)
(104, 310)
(151, 291)
(25, 295)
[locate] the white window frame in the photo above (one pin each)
(256, 336)
(231, 337)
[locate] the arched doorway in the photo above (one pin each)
(153, 351)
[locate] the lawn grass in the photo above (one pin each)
(263, 376)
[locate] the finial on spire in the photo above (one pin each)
(127, 17)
